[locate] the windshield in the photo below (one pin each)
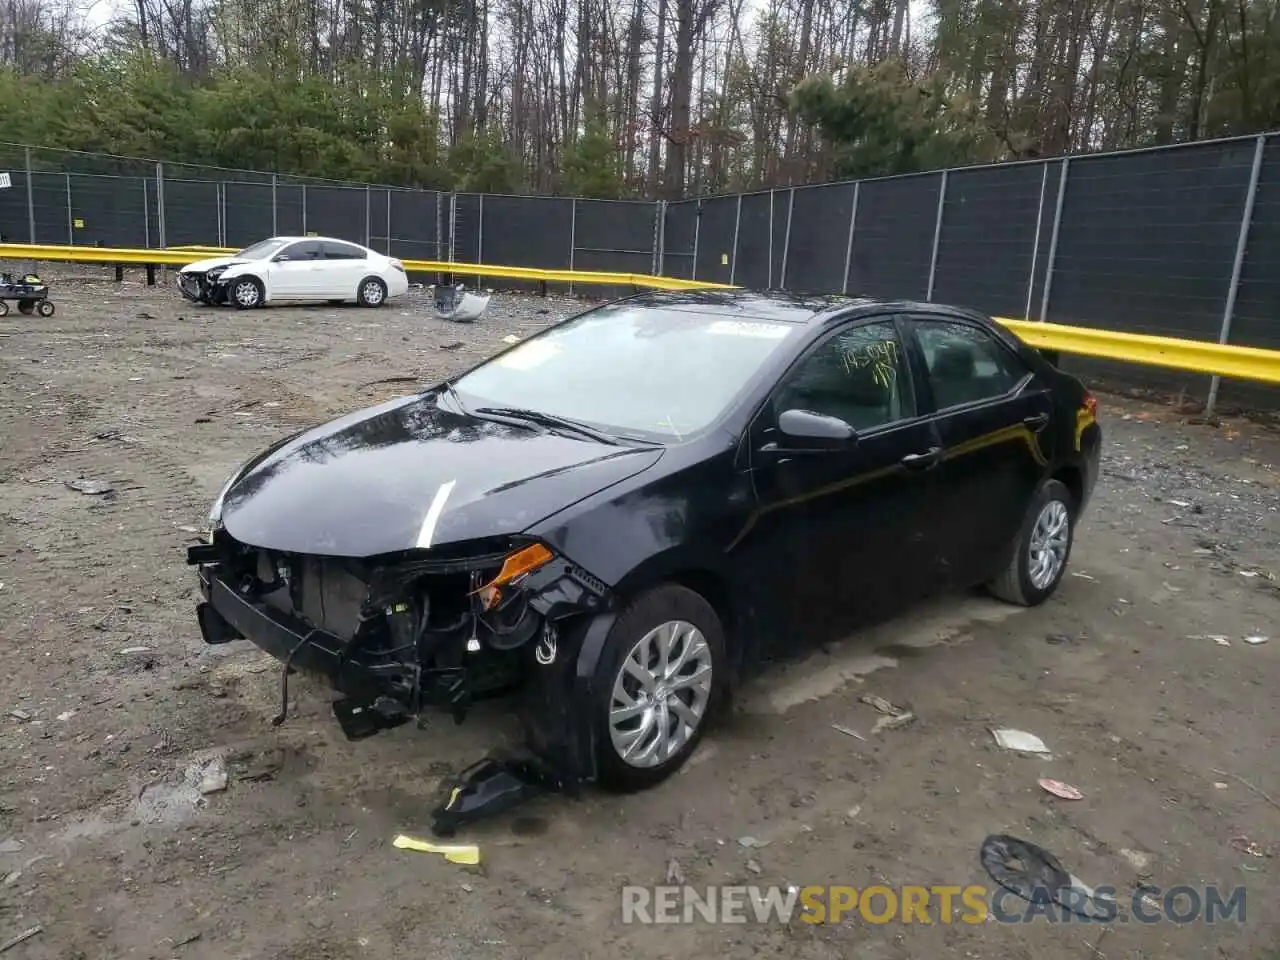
(261, 249)
(630, 370)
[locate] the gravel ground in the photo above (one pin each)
(111, 700)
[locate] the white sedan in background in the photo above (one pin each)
(301, 269)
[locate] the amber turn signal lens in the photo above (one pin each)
(523, 561)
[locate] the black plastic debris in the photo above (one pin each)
(1037, 876)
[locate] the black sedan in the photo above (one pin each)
(617, 518)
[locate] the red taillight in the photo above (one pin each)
(1091, 403)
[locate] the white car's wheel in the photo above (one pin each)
(372, 292)
(246, 292)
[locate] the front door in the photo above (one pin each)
(992, 417)
(294, 271)
(843, 526)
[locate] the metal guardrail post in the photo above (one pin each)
(304, 209)
(389, 221)
(1237, 265)
(786, 239)
(848, 249)
(733, 254)
(146, 214)
(71, 233)
(1053, 240)
(697, 229)
(275, 207)
(769, 284)
(31, 206)
(937, 236)
(1035, 244)
(159, 203)
(368, 216)
(480, 237)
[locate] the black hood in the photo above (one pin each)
(409, 475)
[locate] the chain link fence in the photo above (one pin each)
(1181, 241)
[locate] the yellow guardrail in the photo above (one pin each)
(180, 256)
(1195, 356)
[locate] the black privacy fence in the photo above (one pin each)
(1178, 241)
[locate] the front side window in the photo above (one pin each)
(966, 364)
(303, 250)
(659, 373)
(859, 375)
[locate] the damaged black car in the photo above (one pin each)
(616, 519)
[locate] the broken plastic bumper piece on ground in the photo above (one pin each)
(468, 853)
(456, 304)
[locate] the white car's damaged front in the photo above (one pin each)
(208, 281)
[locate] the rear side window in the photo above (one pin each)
(334, 250)
(966, 364)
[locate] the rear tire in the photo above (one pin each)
(655, 705)
(45, 308)
(1042, 549)
(372, 292)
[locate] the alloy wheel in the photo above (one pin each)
(1050, 537)
(660, 694)
(373, 293)
(247, 293)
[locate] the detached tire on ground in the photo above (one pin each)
(659, 681)
(1040, 555)
(372, 292)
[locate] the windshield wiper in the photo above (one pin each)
(553, 421)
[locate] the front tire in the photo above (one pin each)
(1042, 549)
(372, 292)
(246, 292)
(659, 681)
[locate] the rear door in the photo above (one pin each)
(345, 265)
(293, 271)
(992, 416)
(840, 530)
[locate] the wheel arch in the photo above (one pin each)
(699, 574)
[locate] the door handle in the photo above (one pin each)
(1036, 422)
(922, 461)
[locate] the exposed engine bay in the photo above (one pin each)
(402, 638)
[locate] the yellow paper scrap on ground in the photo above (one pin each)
(467, 853)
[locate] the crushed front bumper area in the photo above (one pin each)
(203, 288)
(406, 639)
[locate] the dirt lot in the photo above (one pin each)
(110, 695)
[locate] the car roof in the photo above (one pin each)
(284, 239)
(782, 306)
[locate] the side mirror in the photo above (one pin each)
(280, 258)
(807, 425)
